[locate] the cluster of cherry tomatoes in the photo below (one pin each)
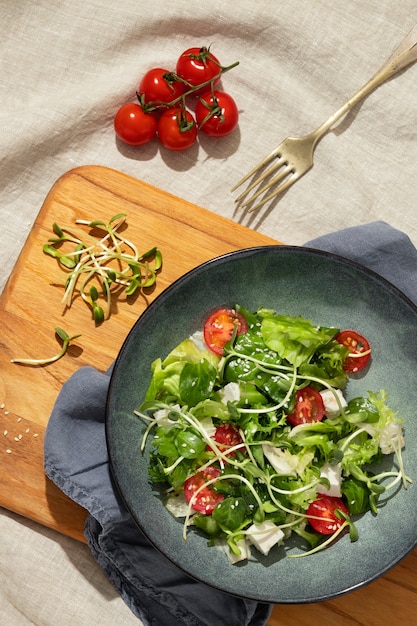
(165, 99)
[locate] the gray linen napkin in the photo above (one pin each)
(76, 460)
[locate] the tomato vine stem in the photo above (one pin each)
(170, 77)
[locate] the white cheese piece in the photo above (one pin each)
(230, 393)
(177, 505)
(161, 416)
(207, 424)
(243, 546)
(245, 554)
(333, 405)
(391, 438)
(198, 339)
(333, 473)
(264, 536)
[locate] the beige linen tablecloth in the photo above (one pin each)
(67, 67)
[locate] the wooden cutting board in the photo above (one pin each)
(30, 310)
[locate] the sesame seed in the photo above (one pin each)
(2, 405)
(5, 433)
(27, 430)
(6, 412)
(35, 435)
(19, 419)
(8, 451)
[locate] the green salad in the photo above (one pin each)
(253, 439)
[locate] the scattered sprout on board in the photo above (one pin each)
(101, 266)
(255, 441)
(66, 340)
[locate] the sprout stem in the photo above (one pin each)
(66, 339)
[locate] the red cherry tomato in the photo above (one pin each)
(133, 126)
(197, 66)
(217, 114)
(177, 129)
(325, 507)
(358, 345)
(219, 327)
(158, 85)
(308, 407)
(206, 500)
(227, 437)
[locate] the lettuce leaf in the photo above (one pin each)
(294, 338)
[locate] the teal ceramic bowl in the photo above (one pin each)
(324, 288)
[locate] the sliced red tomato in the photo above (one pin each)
(219, 328)
(325, 507)
(359, 350)
(308, 407)
(206, 499)
(227, 436)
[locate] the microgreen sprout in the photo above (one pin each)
(347, 523)
(66, 340)
(99, 267)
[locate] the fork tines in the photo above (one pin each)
(278, 171)
(286, 175)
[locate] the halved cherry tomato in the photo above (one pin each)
(216, 114)
(197, 66)
(358, 345)
(206, 500)
(308, 407)
(159, 85)
(177, 129)
(219, 327)
(133, 126)
(325, 507)
(227, 436)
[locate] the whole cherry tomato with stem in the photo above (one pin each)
(159, 88)
(216, 114)
(177, 129)
(133, 126)
(197, 66)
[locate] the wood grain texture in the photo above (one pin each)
(29, 311)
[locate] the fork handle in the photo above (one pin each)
(403, 56)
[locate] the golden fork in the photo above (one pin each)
(294, 156)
